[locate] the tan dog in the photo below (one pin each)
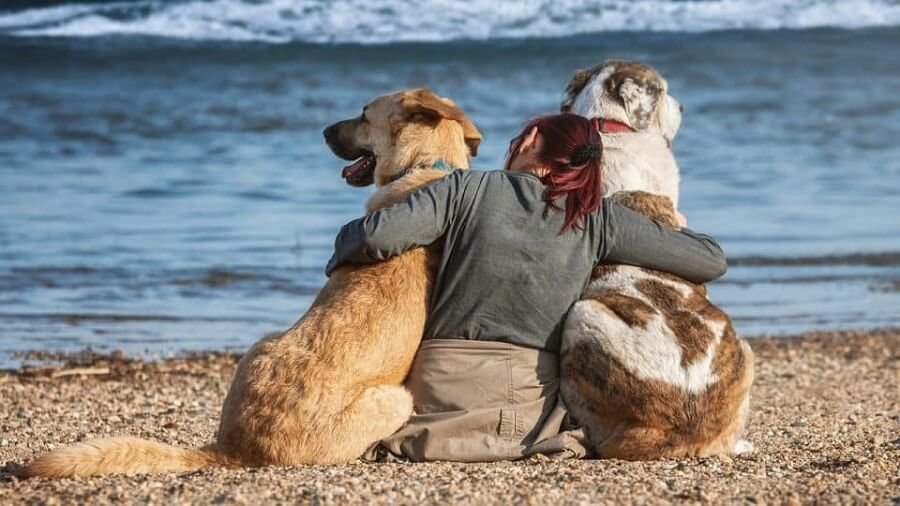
(329, 387)
(649, 366)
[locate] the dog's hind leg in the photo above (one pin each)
(638, 443)
(376, 414)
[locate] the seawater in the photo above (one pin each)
(161, 194)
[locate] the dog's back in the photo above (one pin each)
(650, 367)
(639, 161)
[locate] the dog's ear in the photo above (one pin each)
(471, 135)
(425, 106)
(640, 98)
(576, 84)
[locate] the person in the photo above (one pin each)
(518, 249)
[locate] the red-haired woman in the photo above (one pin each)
(518, 249)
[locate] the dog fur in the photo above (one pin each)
(636, 95)
(329, 387)
(649, 366)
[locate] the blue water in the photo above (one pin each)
(161, 193)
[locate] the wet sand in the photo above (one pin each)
(825, 422)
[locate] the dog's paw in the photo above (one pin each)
(743, 447)
(392, 401)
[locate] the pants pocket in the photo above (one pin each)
(512, 424)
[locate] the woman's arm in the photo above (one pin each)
(419, 220)
(631, 238)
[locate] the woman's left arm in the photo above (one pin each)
(419, 220)
(632, 238)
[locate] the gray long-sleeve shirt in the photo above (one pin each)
(506, 272)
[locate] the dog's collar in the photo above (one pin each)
(611, 126)
(437, 165)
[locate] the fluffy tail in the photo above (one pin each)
(124, 455)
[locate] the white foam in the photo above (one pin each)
(385, 21)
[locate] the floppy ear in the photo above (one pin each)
(427, 107)
(576, 84)
(640, 100)
(471, 135)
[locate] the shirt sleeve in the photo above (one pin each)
(419, 220)
(632, 238)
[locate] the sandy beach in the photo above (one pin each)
(825, 423)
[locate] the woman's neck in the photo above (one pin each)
(538, 170)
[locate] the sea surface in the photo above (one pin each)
(164, 185)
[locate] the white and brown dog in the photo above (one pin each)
(638, 120)
(649, 366)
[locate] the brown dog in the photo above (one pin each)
(650, 367)
(329, 387)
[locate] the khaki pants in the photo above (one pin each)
(482, 401)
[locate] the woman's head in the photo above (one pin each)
(564, 150)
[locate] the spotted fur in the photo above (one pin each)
(650, 367)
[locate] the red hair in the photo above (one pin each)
(567, 137)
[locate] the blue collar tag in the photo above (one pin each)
(442, 165)
(437, 165)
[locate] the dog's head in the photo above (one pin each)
(656, 207)
(625, 91)
(402, 130)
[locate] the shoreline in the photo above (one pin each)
(37, 363)
(825, 420)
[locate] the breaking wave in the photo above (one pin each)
(387, 21)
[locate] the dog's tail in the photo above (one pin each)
(124, 455)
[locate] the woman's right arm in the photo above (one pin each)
(632, 238)
(418, 220)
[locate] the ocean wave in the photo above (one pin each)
(387, 21)
(879, 259)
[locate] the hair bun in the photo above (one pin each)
(585, 153)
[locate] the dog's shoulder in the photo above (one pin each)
(398, 190)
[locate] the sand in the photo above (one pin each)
(825, 422)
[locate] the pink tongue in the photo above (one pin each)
(354, 167)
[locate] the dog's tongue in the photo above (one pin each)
(352, 169)
(360, 172)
